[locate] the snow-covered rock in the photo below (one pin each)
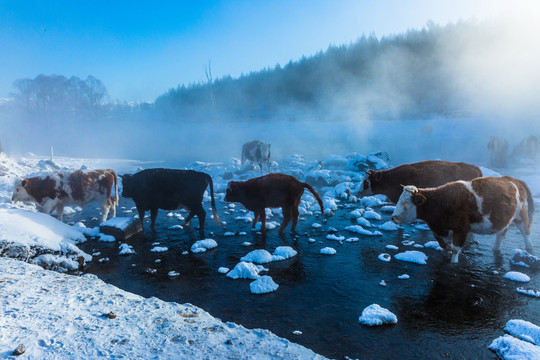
(413, 256)
(263, 285)
(203, 245)
(328, 251)
(517, 276)
(375, 315)
(246, 270)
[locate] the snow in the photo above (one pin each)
(388, 209)
(106, 238)
(328, 251)
(375, 315)
(523, 330)
(403, 277)
(262, 256)
(360, 230)
(263, 285)
(433, 245)
(203, 245)
(159, 249)
(72, 318)
(370, 201)
(335, 237)
(528, 292)
(392, 247)
(246, 270)
(363, 222)
(126, 249)
(173, 274)
(413, 256)
(117, 222)
(223, 270)
(174, 227)
(510, 348)
(523, 258)
(372, 215)
(389, 226)
(517, 276)
(316, 225)
(385, 257)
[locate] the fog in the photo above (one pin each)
(487, 82)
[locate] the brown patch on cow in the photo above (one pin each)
(40, 189)
(271, 191)
(424, 174)
(448, 207)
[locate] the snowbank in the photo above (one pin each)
(85, 318)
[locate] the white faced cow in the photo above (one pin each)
(485, 205)
(498, 151)
(256, 151)
(80, 187)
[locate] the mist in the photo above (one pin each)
(434, 93)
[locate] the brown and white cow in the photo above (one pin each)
(423, 174)
(79, 187)
(498, 151)
(485, 205)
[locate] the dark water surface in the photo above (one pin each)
(444, 311)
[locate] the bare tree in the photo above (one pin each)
(210, 82)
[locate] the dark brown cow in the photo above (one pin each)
(485, 205)
(424, 174)
(271, 191)
(79, 187)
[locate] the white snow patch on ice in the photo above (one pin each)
(413, 256)
(328, 251)
(263, 285)
(203, 245)
(375, 315)
(517, 276)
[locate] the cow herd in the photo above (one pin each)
(452, 198)
(528, 149)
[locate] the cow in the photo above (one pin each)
(80, 187)
(498, 151)
(256, 151)
(429, 173)
(528, 148)
(486, 205)
(271, 191)
(169, 189)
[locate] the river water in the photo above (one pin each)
(444, 311)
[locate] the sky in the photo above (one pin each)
(140, 49)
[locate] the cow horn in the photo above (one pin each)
(410, 188)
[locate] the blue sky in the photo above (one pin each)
(140, 49)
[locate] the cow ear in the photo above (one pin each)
(24, 182)
(377, 176)
(418, 199)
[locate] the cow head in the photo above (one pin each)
(371, 178)
(406, 207)
(232, 193)
(127, 186)
(21, 191)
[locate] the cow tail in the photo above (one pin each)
(530, 201)
(116, 197)
(307, 186)
(210, 182)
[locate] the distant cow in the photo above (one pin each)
(528, 148)
(485, 205)
(271, 191)
(80, 187)
(498, 151)
(256, 151)
(430, 173)
(169, 189)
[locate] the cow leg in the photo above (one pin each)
(141, 217)
(255, 218)
(60, 211)
(113, 208)
(201, 214)
(295, 214)
(104, 212)
(286, 218)
(189, 217)
(263, 221)
(458, 241)
(153, 216)
(499, 239)
(525, 230)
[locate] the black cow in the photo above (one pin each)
(169, 189)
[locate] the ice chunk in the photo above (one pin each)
(376, 315)
(263, 285)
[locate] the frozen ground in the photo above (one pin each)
(337, 179)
